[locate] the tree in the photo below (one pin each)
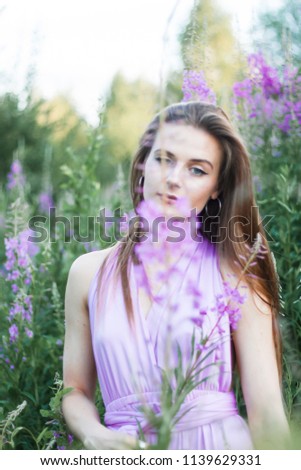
(68, 130)
(129, 106)
(39, 131)
(19, 129)
(281, 30)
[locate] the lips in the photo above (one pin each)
(168, 198)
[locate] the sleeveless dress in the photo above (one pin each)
(129, 365)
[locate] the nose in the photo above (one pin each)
(173, 178)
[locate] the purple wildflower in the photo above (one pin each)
(19, 272)
(13, 332)
(15, 310)
(234, 293)
(28, 246)
(158, 240)
(15, 177)
(203, 346)
(195, 87)
(272, 99)
(229, 303)
(243, 89)
(264, 75)
(159, 248)
(193, 290)
(14, 275)
(199, 320)
(29, 333)
(45, 201)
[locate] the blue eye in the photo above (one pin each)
(201, 172)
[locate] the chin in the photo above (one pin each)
(171, 210)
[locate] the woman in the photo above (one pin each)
(118, 332)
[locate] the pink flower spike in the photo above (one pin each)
(252, 275)
(29, 333)
(13, 332)
(195, 87)
(198, 321)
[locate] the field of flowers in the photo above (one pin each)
(34, 264)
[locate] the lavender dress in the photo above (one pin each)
(129, 364)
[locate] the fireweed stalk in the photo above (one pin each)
(21, 342)
(19, 273)
(19, 270)
(177, 383)
(195, 87)
(15, 177)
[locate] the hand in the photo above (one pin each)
(111, 440)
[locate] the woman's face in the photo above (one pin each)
(183, 162)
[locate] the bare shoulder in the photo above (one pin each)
(84, 268)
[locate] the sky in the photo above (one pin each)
(76, 46)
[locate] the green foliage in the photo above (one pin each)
(29, 365)
(38, 134)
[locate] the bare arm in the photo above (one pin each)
(256, 358)
(79, 370)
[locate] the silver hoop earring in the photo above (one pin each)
(219, 207)
(141, 179)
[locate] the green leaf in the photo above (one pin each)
(66, 170)
(285, 207)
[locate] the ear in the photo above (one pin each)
(215, 195)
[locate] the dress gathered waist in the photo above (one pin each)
(199, 407)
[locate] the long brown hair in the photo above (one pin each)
(239, 213)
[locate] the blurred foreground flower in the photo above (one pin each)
(178, 380)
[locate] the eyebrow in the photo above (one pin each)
(171, 155)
